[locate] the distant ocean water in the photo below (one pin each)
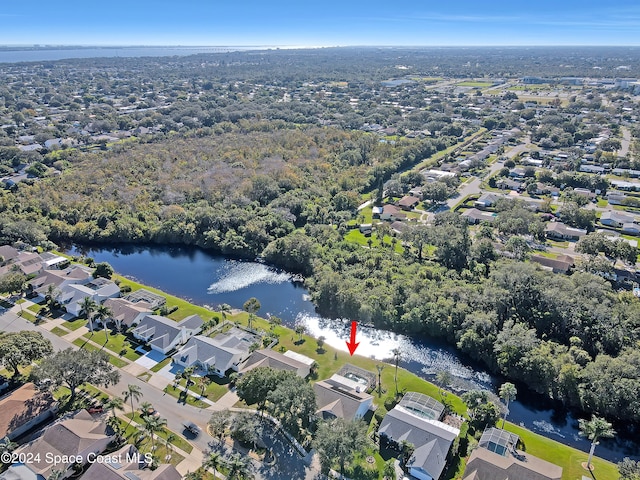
(7, 55)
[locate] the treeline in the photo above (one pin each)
(571, 338)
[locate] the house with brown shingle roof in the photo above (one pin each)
(341, 397)
(76, 436)
(24, 409)
(129, 464)
(275, 360)
(127, 313)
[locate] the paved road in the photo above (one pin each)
(625, 143)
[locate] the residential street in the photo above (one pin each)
(169, 407)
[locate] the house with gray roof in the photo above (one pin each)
(163, 334)
(496, 458)
(431, 438)
(98, 289)
(615, 218)
(341, 397)
(219, 354)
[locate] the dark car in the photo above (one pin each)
(192, 427)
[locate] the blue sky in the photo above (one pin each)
(326, 23)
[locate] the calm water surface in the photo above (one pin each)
(210, 280)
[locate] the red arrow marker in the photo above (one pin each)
(351, 344)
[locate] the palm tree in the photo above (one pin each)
(507, 392)
(203, 383)
(300, 330)
(396, 358)
(594, 429)
(443, 377)
(389, 470)
(186, 374)
(87, 307)
(146, 408)
(214, 461)
(56, 475)
(52, 294)
(238, 467)
(114, 423)
(380, 368)
(133, 392)
(168, 444)
(225, 309)
(102, 313)
(113, 403)
(153, 425)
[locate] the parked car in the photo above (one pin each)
(95, 409)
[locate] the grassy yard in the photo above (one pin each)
(181, 396)
(59, 331)
(75, 324)
(568, 458)
(27, 316)
(82, 343)
(214, 391)
(132, 436)
(475, 84)
(118, 344)
(185, 308)
(35, 308)
(159, 366)
(179, 442)
(354, 236)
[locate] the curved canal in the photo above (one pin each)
(210, 280)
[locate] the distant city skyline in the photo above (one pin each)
(330, 23)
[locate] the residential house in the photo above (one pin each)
(163, 334)
(24, 409)
(517, 172)
(129, 464)
(616, 198)
(219, 354)
(592, 169)
(126, 313)
(624, 185)
(340, 397)
(562, 264)
(614, 218)
(631, 228)
(8, 254)
(508, 184)
(142, 295)
(98, 289)
(544, 189)
(75, 274)
(392, 213)
(496, 458)
(29, 263)
(475, 216)
(277, 361)
(52, 261)
(365, 228)
(487, 200)
(376, 212)
(560, 231)
(408, 202)
(584, 192)
(398, 227)
(416, 192)
(431, 438)
(77, 436)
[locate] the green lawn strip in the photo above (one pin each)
(567, 457)
(83, 343)
(35, 308)
(159, 366)
(21, 300)
(27, 316)
(355, 236)
(75, 324)
(185, 308)
(178, 442)
(180, 395)
(59, 331)
(474, 84)
(132, 434)
(118, 344)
